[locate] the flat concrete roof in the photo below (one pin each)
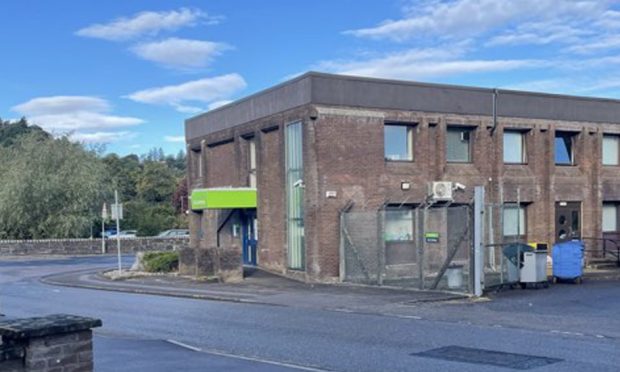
(353, 91)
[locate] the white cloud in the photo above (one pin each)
(218, 104)
(541, 33)
(72, 113)
(600, 44)
(102, 137)
(423, 63)
(62, 104)
(464, 18)
(207, 90)
(147, 23)
(174, 139)
(187, 109)
(180, 53)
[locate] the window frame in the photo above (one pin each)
(409, 127)
(617, 138)
(521, 215)
(252, 159)
(196, 163)
(403, 208)
(522, 134)
(573, 142)
(470, 136)
(616, 210)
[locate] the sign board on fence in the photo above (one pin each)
(117, 210)
(431, 237)
(104, 212)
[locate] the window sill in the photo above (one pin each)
(398, 161)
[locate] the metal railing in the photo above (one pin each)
(605, 251)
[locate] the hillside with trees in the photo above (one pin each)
(55, 188)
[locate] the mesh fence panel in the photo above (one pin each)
(360, 231)
(424, 248)
(504, 234)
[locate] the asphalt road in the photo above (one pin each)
(138, 329)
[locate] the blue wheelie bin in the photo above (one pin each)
(568, 261)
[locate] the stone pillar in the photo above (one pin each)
(230, 268)
(51, 343)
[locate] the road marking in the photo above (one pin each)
(415, 317)
(340, 310)
(251, 359)
(186, 346)
(567, 333)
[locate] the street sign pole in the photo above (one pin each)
(104, 217)
(118, 231)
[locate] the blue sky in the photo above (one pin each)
(127, 73)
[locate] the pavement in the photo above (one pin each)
(258, 287)
(565, 327)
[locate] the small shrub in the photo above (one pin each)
(161, 262)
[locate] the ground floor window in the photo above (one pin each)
(610, 217)
(398, 224)
(514, 221)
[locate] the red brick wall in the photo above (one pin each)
(271, 205)
(343, 152)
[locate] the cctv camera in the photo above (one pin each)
(299, 183)
(459, 186)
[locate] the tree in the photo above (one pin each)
(180, 196)
(123, 174)
(156, 183)
(149, 219)
(50, 188)
(10, 132)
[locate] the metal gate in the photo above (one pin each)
(420, 247)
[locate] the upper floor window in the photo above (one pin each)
(514, 147)
(196, 163)
(252, 162)
(458, 145)
(610, 217)
(398, 142)
(611, 144)
(564, 148)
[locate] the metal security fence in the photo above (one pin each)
(504, 237)
(416, 247)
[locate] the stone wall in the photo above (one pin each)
(70, 247)
(45, 344)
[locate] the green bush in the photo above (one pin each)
(161, 262)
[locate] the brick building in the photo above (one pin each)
(311, 146)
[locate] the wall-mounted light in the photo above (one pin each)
(405, 186)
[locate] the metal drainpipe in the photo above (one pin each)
(495, 94)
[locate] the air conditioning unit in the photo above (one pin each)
(441, 191)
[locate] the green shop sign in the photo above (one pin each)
(431, 237)
(223, 198)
